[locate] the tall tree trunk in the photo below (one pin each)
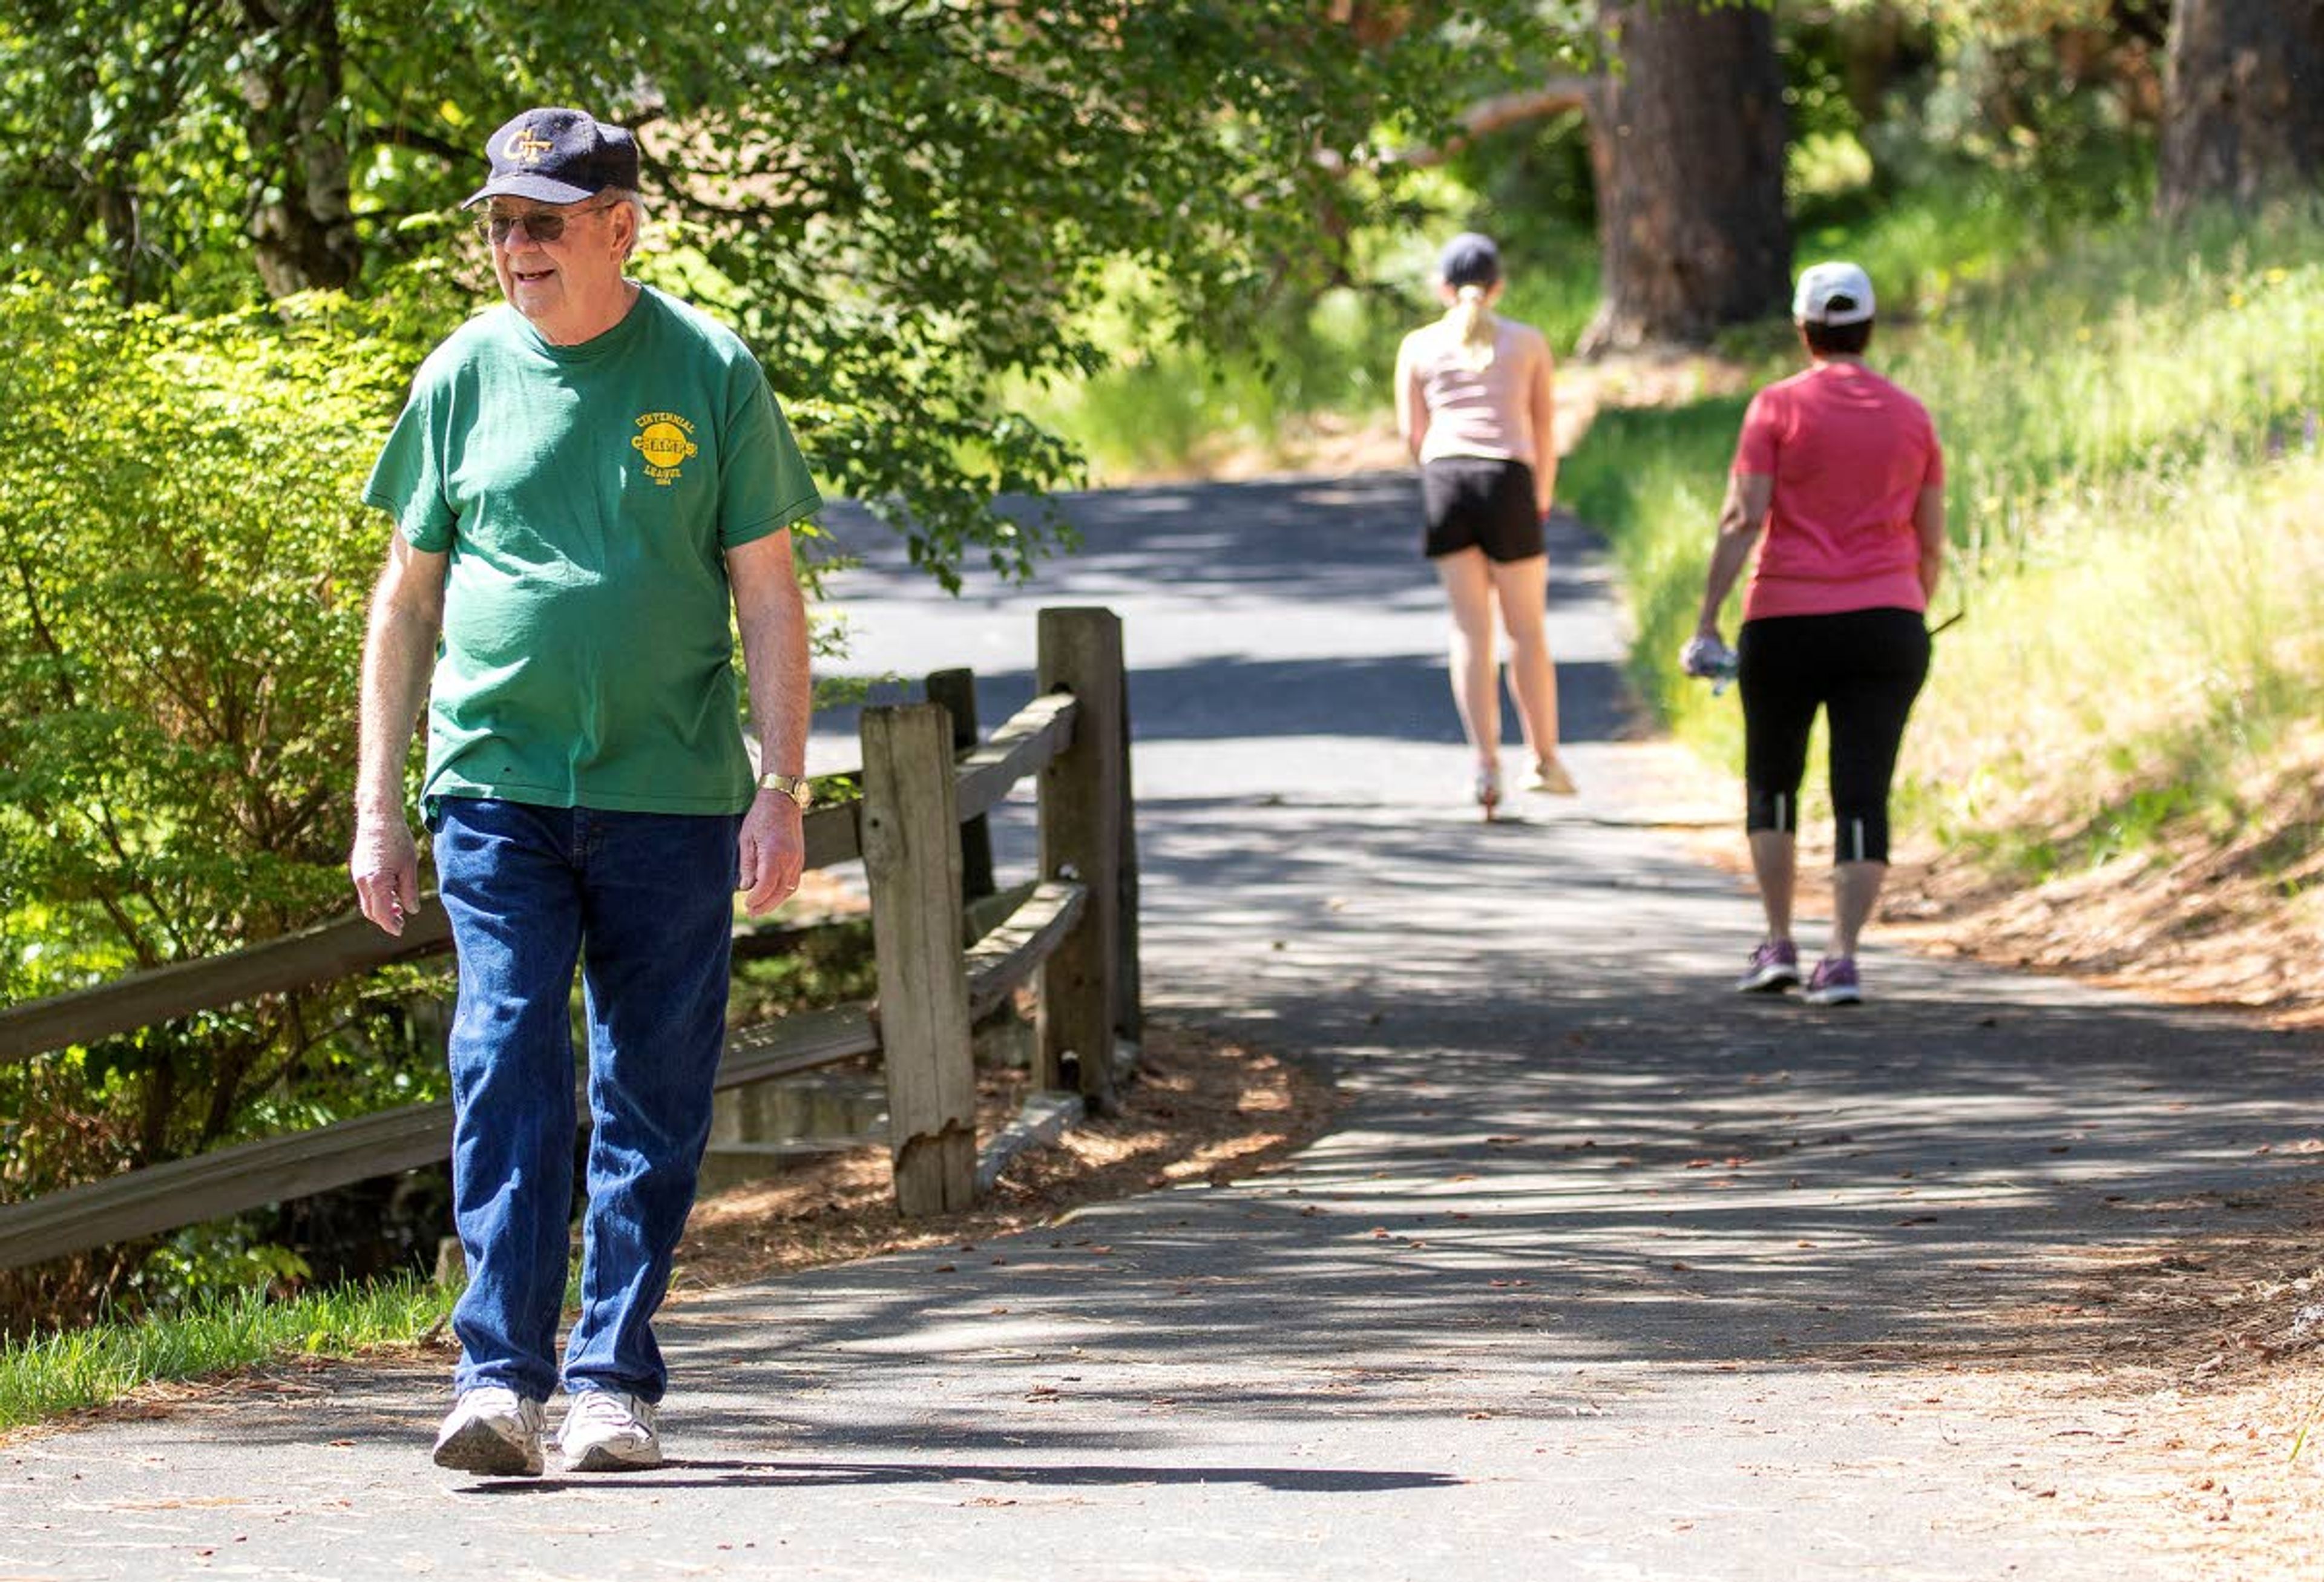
(115, 200)
(1688, 142)
(107, 182)
(300, 218)
(2243, 116)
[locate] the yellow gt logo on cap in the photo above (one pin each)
(662, 441)
(526, 147)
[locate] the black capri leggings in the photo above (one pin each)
(1864, 667)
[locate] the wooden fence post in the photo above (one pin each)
(1082, 797)
(956, 690)
(1128, 996)
(911, 855)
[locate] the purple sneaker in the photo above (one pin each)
(1833, 982)
(1774, 968)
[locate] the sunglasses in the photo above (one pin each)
(546, 224)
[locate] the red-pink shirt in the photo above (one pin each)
(1850, 454)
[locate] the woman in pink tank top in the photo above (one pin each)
(1839, 482)
(1473, 400)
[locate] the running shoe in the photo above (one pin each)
(1486, 789)
(1774, 968)
(1549, 774)
(608, 1431)
(1833, 983)
(492, 1432)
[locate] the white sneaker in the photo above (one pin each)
(607, 1431)
(492, 1431)
(1486, 787)
(1549, 775)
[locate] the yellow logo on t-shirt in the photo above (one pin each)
(662, 441)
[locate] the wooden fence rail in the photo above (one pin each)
(919, 791)
(341, 948)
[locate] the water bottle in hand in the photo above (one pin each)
(1708, 657)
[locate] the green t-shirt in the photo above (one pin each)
(588, 495)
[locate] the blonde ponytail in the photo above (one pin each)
(1473, 327)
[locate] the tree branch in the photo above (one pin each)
(403, 134)
(1555, 96)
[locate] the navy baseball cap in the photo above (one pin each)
(1469, 259)
(558, 156)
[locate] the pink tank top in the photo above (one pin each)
(1473, 412)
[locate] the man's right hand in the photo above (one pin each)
(385, 866)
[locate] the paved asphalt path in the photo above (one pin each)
(1604, 1273)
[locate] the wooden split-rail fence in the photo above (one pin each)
(924, 776)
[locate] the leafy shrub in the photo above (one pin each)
(184, 568)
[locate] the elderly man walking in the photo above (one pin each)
(583, 479)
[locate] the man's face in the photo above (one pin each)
(566, 277)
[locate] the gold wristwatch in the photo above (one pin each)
(794, 786)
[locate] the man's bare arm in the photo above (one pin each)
(407, 615)
(771, 614)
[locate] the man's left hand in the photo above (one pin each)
(771, 851)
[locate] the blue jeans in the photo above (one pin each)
(644, 902)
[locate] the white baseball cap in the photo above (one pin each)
(1832, 293)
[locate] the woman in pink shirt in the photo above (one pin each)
(1839, 470)
(1473, 398)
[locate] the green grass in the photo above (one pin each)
(1653, 479)
(49, 1374)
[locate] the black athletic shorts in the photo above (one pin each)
(1480, 502)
